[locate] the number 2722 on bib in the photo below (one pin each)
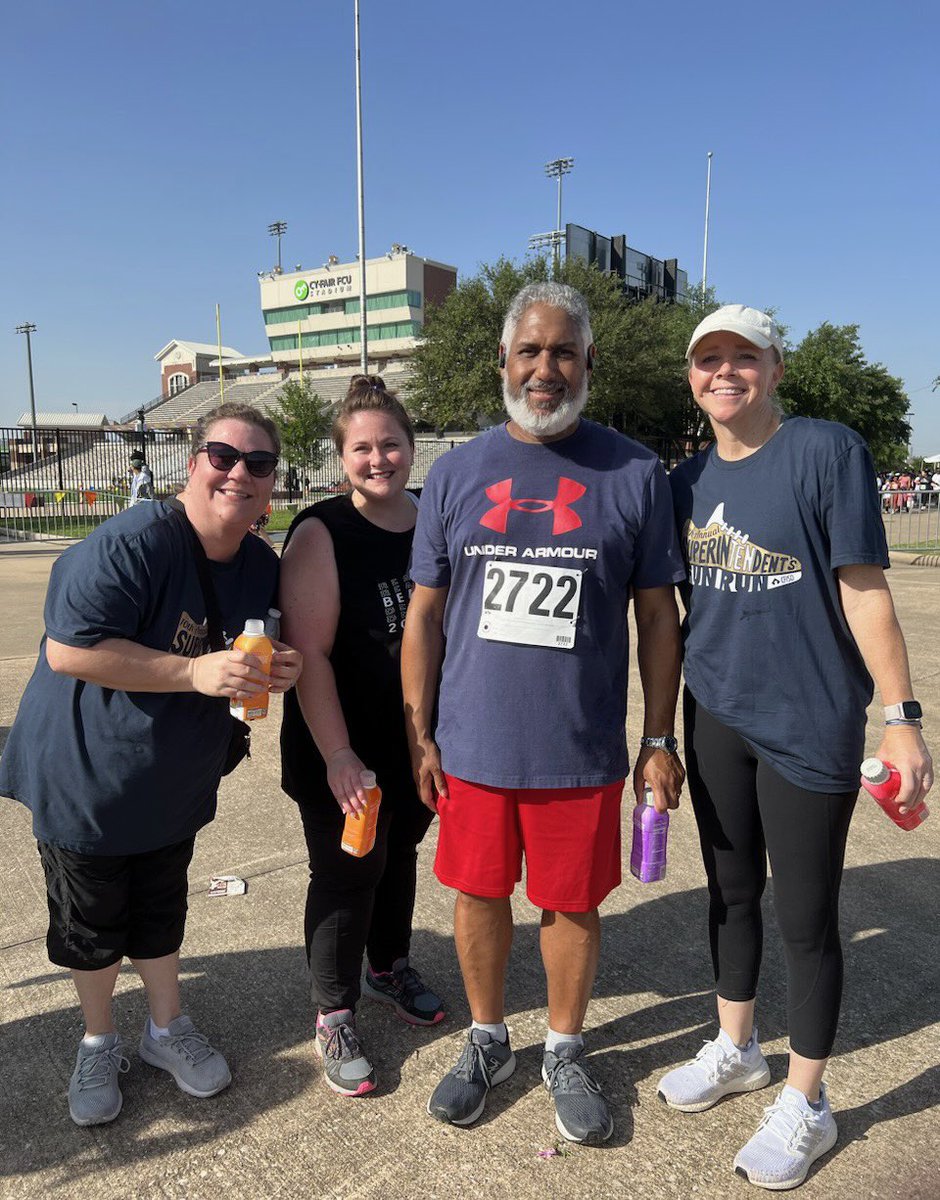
(530, 605)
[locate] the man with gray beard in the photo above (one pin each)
(529, 542)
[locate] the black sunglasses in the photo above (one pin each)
(223, 457)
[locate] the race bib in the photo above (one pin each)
(530, 605)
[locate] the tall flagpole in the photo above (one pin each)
(218, 334)
(300, 352)
(708, 192)
(363, 343)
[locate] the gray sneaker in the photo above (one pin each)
(581, 1112)
(719, 1069)
(198, 1068)
(345, 1067)
(460, 1097)
(94, 1089)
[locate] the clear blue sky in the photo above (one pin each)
(147, 148)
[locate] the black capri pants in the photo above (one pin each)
(360, 904)
(745, 811)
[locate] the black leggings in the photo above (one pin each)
(746, 811)
(359, 904)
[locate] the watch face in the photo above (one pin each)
(912, 710)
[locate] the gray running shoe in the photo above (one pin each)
(581, 1112)
(345, 1068)
(460, 1097)
(94, 1089)
(789, 1139)
(198, 1068)
(718, 1069)
(405, 990)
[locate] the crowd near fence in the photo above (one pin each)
(57, 483)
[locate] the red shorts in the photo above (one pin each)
(570, 837)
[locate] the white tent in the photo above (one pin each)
(934, 458)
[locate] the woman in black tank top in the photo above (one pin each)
(344, 593)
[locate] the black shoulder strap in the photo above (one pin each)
(213, 613)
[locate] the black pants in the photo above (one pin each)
(746, 811)
(360, 904)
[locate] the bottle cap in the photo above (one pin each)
(368, 779)
(275, 613)
(648, 797)
(254, 627)
(873, 770)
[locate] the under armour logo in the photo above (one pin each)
(564, 520)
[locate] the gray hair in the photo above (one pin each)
(556, 295)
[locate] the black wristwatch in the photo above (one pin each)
(667, 742)
(907, 710)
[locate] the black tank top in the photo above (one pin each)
(372, 565)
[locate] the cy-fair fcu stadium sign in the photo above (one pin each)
(323, 285)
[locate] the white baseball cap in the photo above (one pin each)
(750, 323)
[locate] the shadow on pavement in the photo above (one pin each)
(255, 1005)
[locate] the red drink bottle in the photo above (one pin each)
(884, 782)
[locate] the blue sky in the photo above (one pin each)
(147, 148)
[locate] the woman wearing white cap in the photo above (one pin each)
(788, 620)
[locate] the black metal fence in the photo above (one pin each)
(63, 482)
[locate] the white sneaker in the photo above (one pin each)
(788, 1141)
(718, 1069)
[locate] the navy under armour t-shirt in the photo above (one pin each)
(539, 544)
(767, 647)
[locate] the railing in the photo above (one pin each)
(911, 519)
(64, 482)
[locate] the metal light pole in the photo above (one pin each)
(708, 193)
(557, 169)
(29, 328)
(363, 343)
(277, 229)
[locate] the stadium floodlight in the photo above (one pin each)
(29, 328)
(551, 240)
(558, 168)
(278, 229)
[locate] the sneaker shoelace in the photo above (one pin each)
(570, 1077)
(717, 1063)
(95, 1069)
(195, 1046)
(793, 1127)
(473, 1062)
(410, 983)
(341, 1041)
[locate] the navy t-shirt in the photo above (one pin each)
(539, 545)
(767, 647)
(112, 772)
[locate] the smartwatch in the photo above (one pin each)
(667, 742)
(907, 710)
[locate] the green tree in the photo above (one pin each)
(302, 419)
(828, 376)
(638, 386)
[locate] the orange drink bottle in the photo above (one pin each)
(359, 829)
(253, 641)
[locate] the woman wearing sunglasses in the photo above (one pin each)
(344, 592)
(142, 729)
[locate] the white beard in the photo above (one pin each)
(544, 424)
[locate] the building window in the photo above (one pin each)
(178, 382)
(339, 337)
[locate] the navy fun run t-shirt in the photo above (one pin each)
(539, 545)
(112, 772)
(767, 647)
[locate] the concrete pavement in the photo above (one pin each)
(278, 1131)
